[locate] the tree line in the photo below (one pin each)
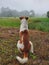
(7, 12)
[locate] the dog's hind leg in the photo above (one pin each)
(31, 49)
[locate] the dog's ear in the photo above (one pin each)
(26, 18)
(21, 18)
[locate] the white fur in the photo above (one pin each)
(22, 61)
(24, 25)
(31, 49)
(20, 45)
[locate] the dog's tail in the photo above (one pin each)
(22, 61)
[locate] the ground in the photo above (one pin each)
(8, 49)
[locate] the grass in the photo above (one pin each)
(8, 48)
(34, 23)
(9, 22)
(39, 24)
(33, 56)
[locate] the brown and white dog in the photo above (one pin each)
(24, 45)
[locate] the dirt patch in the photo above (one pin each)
(8, 49)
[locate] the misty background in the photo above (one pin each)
(15, 8)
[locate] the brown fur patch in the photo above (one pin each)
(25, 40)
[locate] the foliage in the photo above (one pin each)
(33, 56)
(7, 12)
(48, 14)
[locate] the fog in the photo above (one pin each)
(39, 6)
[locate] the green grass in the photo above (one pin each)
(9, 22)
(33, 56)
(39, 24)
(34, 23)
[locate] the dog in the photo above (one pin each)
(24, 45)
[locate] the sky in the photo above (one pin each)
(39, 6)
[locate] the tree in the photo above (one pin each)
(7, 12)
(32, 13)
(48, 14)
(24, 13)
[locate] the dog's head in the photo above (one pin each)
(23, 17)
(24, 23)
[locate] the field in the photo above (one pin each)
(34, 23)
(39, 24)
(39, 35)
